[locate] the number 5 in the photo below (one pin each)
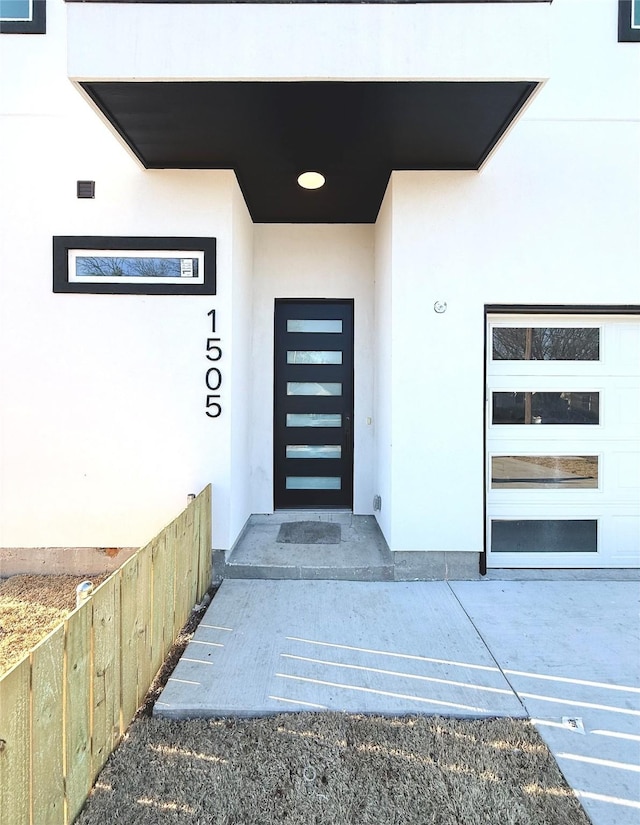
(213, 349)
(212, 403)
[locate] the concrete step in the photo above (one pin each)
(359, 553)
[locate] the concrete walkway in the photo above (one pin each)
(563, 652)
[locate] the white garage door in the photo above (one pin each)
(563, 441)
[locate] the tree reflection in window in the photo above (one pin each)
(135, 267)
(546, 344)
(546, 408)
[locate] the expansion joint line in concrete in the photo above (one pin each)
(489, 651)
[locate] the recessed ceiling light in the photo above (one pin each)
(311, 180)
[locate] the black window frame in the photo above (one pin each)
(627, 33)
(63, 243)
(37, 24)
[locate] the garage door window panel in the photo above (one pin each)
(544, 472)
(544, 535)
(541, 407)
(546, 344)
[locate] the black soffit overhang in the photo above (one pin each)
(354, 133)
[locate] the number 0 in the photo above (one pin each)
(213, 379)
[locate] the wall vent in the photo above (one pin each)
(86, 189)
(377, 503)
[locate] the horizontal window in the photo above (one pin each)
(544, 536)
(313, 483)
(143, 268)
(545, 408)
(544, 472)
(12, 10)
(314, 325)
(134, 265)
(313, 388)
(23, 16)
(628, 21)
(314, 451)
(314, 420)
(546, 344)
(314, 357)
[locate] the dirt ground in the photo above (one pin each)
(30, 608)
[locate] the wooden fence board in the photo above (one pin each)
(181, 596)
(191, 519)
(78, 709)
(159, 583)
(129, 578)
(116, 681)
(106, 692)
(165, 599)
(186, 581)
(15, 758)
(195, 539)
(170, 605)
(47, 763)
(143, 613)
(204, 541)
(199, 527)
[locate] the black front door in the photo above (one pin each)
(313, 400)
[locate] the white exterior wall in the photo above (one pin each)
(383, 386)
(312, 261)
(553, 218)
(314, 41)
(103, 430)
(237, 370)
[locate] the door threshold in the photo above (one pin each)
(320, 514)
(321, 509)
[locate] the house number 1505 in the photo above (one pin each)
(213, 376)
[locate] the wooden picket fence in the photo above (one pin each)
(66, 705)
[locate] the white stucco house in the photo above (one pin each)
(443, 333)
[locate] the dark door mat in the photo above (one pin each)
(309, 532)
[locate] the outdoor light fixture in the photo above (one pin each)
(311, 180)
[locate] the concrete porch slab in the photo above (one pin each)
(365, 647)
(361, 553)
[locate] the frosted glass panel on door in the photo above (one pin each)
(544, 472)
(314, 325)
(314, 356)
(313, 388)
(314, 420)
(313, 483)
(314, 451)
